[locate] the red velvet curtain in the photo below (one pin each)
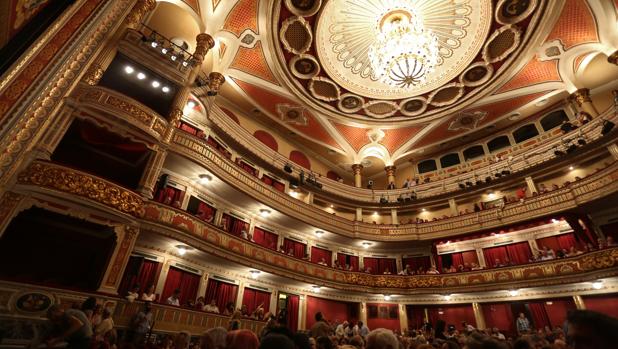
(318, 253)
(550, 241)
(457, 259)
(446, 260)
(221, 292)
(387, 263)
(279, 186)
(234, 225)
(519, 253)
(169, 196)
(298, 248)
(265, 238)
(499, 315)
(470, 257)
(493, 253)
(348, 259)
(292, 310)
(452, 314)
(183, 280)
(416, 316)
(565, 241)
(417, 262)
(539, 315)
(252, 298)
(370, 262)
(220, 148)
(188, 128)
(248, 168)
(267, 180)
(557, 310)
(205, 212)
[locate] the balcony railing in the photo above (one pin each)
(521, 159)
(593, 187)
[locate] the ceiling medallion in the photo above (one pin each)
(467, 121)
(404, 52)
(292, 114)
(399, 60)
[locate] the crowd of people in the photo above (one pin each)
(90, 326)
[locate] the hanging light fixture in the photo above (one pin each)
(404, 51)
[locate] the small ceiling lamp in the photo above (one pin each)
(316, 288)
(366, 244)
(129, 69)
(513, 293)
(190, 104)
(141, 76)
(264, 212)
(387, 297)
(597, 285)
(448, 297)
(182, 249)
(255, 273)
(319, 233)
(204, 178)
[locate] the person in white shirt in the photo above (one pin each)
(149, 295)
(243, 234)
(173, 299)
(496, 334)
(341, 329)
(212, 307)
(133, 294)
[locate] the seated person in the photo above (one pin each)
(452, 269)
(322, 261)
(390, 186)
(244, 311)
(250, 237)
(573, 251)
(567, 126)
(498, 263)
(291, 252)
(432, 271)
(601, 243)
(212, 307)
(199, 303)
(281, 249)
(348, 267)
(337, 265)
(368, 270)
(174, 298)
(149, 295)
(133, 294)
(243, 234)
(474, 266)
(542, 188)
(386, 272)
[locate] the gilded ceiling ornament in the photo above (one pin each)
(467, 121)
(292, 114)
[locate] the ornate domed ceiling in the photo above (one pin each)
(305, 70)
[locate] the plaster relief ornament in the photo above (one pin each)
(292, 114)
(467, 121)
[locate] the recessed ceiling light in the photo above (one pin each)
(154, 44)
(255, 273)
(513, 293)
(141, 76)
(264, 212)
(316, 288)
(366, 244)
(387, 297)
(156, 84)
(571, 168)
(173, 58)
(182, 249)
(319, 233)
(424, 209)
(375, 213)
(331, 206)
(597, 285)
(184, 64)
(129, 69)
(165, 89)
(164, 50)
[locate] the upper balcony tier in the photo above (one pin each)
(66, 184)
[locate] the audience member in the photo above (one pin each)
(72, 325)
(174, 298)
(149, 295)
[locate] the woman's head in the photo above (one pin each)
(241, 339)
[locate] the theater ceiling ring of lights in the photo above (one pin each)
(344, 58)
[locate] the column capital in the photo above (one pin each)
(613, 58)
(139, 11)
(215, 81)
(390, 170)
(581, 96)
(357, 168)
(205, 42)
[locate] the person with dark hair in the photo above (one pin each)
(241, 339)
(440, 329)
(73, 326)
(301, 341)
(140, 326)
(321, 328)
(277, 341)
(591, 330)
(174, 298)
(323, 342)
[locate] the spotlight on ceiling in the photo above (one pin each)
(156, 84)
(165, 89)
(571, 168)
(141, 76)
(319, 233)
(316, 288)
(182, 249)
(164, 50)
(424, 209)
(597, 285)
(387, 297)
(129, 69)
(204, 178)
(154, 44)
(255, 273)
(264, 212)
(366, 244)
(190, 104)
(513, 293)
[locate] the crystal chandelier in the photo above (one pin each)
(404, 52)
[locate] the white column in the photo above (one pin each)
(403, 318)
(362, 314)
(201, 290)
(359, 214)
(394, 219)
(531, 185)
(241, 291)
(302, 312)
(481, 257)
(309, 198)
(453, 205)
(273, 302)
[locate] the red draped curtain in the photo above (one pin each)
(370, 262)
(539, 315)
(558, 242)
(416, 316)
(185, 281)
(494, 253)
(318, 253)
(220, 148)
(499, 315)
(248, 168)
(348, 259)
(205, 212)
(446, 260)
(188, 128)
(169, 196)
(470, 257)
(273, 183)
(557, 310)
(221, 292)
(279, 186)
(519, 253)
(387, 263)
(417, 262)
(298, 248)
(292, 310)
(252, 298)
(139, 271)
(451, 314)
(234, 225)
(265, 238)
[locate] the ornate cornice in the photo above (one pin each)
(66, 180)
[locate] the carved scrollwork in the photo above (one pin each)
(63, 179)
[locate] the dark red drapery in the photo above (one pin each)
(519, 253)
(187, 282)
(169, 196)
(499, 315)
(417, 262)
(318, 253)
(252, 298)
(206, 212)
(557, 310)
(139, 271)
(248, 168)
(221, 292)
(292, 310)
(298, 248)
(234, 225)
(606, 304)
(344, 259)
(495, 253)
(379, 265)
(265, 238)
(188, 128)
(416, 316)
(446, 260)
(539, 315)
(452, 314)
(370, 262)
(558, 242)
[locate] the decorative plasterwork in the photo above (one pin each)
(243, 16)
(253, 62)
(467, 121)
(471, 59)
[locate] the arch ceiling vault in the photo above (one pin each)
(301, 67)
